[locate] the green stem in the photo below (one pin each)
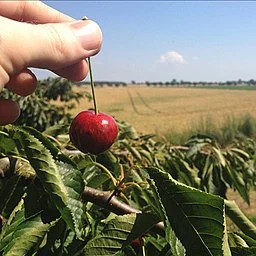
(92, 86)
(114, 181)
(143, 248)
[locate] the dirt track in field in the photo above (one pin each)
(166, 110)
(161, 110)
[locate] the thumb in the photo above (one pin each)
(52, 46)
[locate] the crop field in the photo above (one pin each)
(172, 110)
(176, 110)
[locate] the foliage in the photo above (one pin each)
(48, 205)
(232, 128)
(170, 198)
(40, 110)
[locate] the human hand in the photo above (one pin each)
(34, 35)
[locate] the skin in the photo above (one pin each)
(93, 133)
(53, 44)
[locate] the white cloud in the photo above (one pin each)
(172, 56)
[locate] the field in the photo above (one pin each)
(172, 110)
(176, 110)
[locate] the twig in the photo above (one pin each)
(7, 167)
(96, 196)
(101, 198)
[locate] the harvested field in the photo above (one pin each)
(166, 110)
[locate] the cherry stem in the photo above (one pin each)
(92, 87)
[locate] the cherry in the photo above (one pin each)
(92, 132)
(137, 245)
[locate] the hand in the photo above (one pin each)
(34, 35)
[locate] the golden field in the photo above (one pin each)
(164, 110)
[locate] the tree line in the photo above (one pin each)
(173, 82)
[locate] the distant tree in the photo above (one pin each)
(174, 81)
(229, 83)
(252, 82)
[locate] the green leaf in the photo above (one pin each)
(132, 149)
(119, 233)
(7, 144)
(97, 180)
(38, 200)
(238, 183)
(242, 222)
(250, 241)
(245, 251)
(219, 156)
(196, 217)
(27, 237)
(176, 248)
(72, 179)
(16, 217)
(62, 181)
(187, 174)
(11, 193)
(236, 240)
(56, 153)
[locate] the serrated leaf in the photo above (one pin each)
(250, 241)
(188, 175)
(219, 156)
(238, 183)
(11, 193)
(16, 217)
(147, 155)
(176, 248)
(27, 237)
(7, 144)
(73, 181)
(132, 149)
(56, 153)
(119, 233)
(236, 240)
(63, 182)
(238, 217)
(245, 251)
(196, 217)
(97, 180)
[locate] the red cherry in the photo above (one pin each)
(137, 244)
(93, 133)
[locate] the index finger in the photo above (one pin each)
(31, 11)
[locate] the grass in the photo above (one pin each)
(178, 112)
(230, 128)
(232, 87)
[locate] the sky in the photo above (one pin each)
(209, 41)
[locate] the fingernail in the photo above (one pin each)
(88, 33)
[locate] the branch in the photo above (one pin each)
(98, 197)
(7, 167)
(101, 198)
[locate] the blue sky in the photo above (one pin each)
(162, 40)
